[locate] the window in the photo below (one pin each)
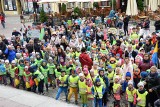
(10, 5)
(86, 5)
(71, 5)
(105, 3)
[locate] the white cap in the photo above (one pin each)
(6, 61)
(140, 84)
(130, 82)
(81, 75)
(13, 62)
(26, 67)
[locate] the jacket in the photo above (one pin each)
(11, 54)
(85, 60)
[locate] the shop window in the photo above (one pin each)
(10, 5)
(86, 5)
(71, 5)
(105, 3)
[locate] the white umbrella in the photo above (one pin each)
(51, 1)
(158, 2)
(132, 8)
(153, 5)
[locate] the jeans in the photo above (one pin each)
(131, 104)
(60, 90)
(3, 23)
(97, 102)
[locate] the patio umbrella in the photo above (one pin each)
(132, 8)
(153, 5)
(158, 2)
(51, 1)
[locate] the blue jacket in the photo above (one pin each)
(11, 54)
(105, 79)
(124, 86)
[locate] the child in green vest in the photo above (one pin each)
(7, 66)
(45, 71)
(27, 77)
(21, 72)
(3, 72)
(38, 60)
(52, 77)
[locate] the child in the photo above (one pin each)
(45, 71)
(51, 68)
(141, 95)
(73, 86)
(27, 78)
(7, 66)
(131, 94)
(98, 90)
(21, 72)
(82, 89)
(3, 72)
(90, 96)
(117, 91)
(63, 86)
(125, 83)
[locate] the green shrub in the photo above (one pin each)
(43, 16)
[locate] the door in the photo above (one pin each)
(1, 6)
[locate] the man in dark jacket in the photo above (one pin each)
(157, 24)
(126, 21)
(2, 45)
(153, 83)
(146, 26)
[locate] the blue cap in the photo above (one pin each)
(101, 69)
(109, 67)
(128, 74)
(118, 54)
(97, 80)
(144, 74)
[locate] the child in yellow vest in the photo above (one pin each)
(90, 96)
(131, 94)
(141, 95)
(116, 91)
(82, 89)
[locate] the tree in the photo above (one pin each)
(43, 16)
(63, 8)
(140, 5)
(77, 11)
(95, 4)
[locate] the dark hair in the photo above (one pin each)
(83, 49)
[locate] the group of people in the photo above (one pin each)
(87, 60)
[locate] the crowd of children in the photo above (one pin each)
(118, 67)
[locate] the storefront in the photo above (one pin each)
(11, 7)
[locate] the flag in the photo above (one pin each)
(155, 55)
(41, 34)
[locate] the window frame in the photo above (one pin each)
(6, 4)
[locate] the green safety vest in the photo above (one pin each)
(73, 81)
(131, 94)
(82, 87)
(102, 81)
(58, 74)
(63, 79)
(27, 76)
(12, 71)
(98, 91)
(38, 62)
(40, 75)
(51, 68)
(21, 70)
(44, 71)
(142, 102)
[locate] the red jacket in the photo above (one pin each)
(85, 60)
(118, 51)
(2, 18)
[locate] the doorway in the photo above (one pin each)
(19, 7)
(59, 5)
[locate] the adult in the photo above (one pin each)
(10, 53)
(117, 49)
(153, 83)
(146, 26)
(64, 42)
(131, 52)
(146, 63)
(15, 32)
(148, 46)
(61, 56)
(157, 24)
(54, 39)
(85, 59)
(2, 45)
(46, 36)
(30, 46)
(2, 19)
(125, 27)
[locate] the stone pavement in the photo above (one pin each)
(11, 97)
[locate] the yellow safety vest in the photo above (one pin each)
(102, 81)
(115, 87)
(110, 76)
(98, 91)
(82, 87)
(142, 102)
(12, 71)
(131, 94)
(90, 95)
(63, 79)
(73, 81)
